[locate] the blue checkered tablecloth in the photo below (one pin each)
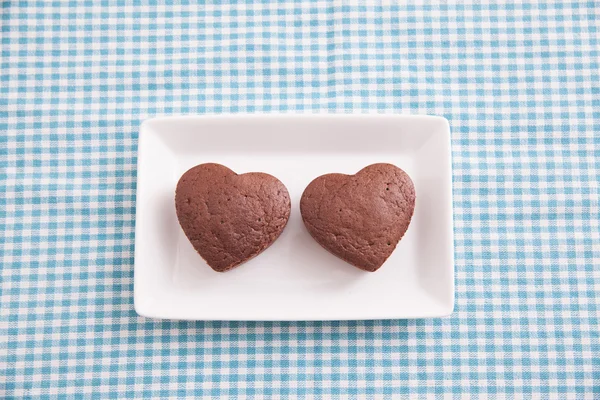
(519, 83)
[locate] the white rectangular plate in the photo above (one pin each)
(295, 278)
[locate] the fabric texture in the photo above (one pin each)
(519, 83)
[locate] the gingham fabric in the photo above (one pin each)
(520, 85)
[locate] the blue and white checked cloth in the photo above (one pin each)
(520, 85)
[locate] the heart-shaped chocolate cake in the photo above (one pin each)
(360, 218)
(230, 218)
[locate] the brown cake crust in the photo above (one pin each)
(360, 218)
(230, 218)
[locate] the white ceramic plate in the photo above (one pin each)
(295, 278)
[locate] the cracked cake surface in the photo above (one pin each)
(230, 218)
(360, 218)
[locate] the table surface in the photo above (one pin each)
(519, 84)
